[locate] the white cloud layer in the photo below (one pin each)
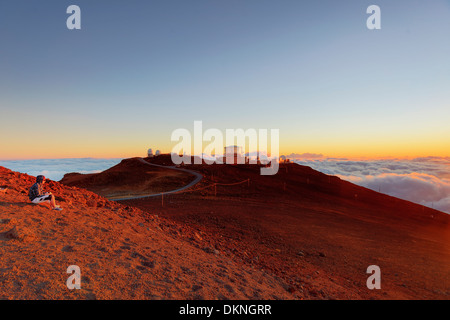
(55, 169)
(422, 180)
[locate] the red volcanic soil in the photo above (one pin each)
(129, 176)
(316, 232)
(123, 252)
(299, 234)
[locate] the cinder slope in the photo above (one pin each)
(318, 232)
(131, 177)
(123, 252)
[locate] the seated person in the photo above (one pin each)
(37, 195)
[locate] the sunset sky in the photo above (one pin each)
(137, 70)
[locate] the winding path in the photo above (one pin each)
(198, 178)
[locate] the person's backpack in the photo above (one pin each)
(32, 194)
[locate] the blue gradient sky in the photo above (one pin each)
(140, 69)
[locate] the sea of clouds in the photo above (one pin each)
(55, 169)
(422, 180)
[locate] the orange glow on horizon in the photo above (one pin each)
(87, 146)
(330, 152)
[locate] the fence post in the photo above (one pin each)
(215, 189)
(162, 199)
(248, 183)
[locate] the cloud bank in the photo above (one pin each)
(422, 180)
(55, 169)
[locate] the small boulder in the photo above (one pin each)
(18, 233)
(91, 203)
(198, 237)
(67, 249)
